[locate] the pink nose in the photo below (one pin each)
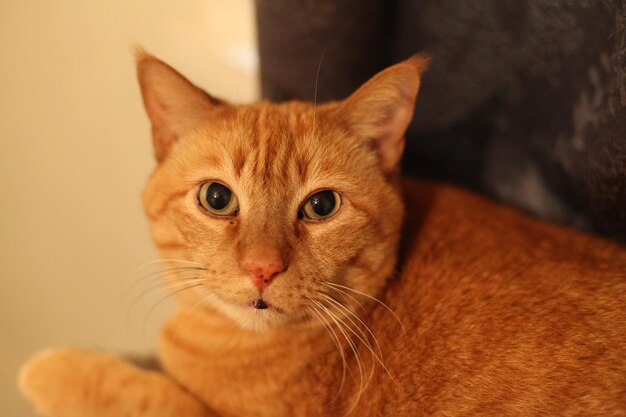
(262, 265)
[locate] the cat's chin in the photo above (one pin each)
(250, 318)
(260, 320)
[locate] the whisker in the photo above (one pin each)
(239, 131)
(202, 301)
(363, 338)
(317, 76)
(352, 347)
(342, 310)
(335, 339)
(154, 306)
(349, 317)
(160, 287)
(345, 294)
(162, 274)
(335, 285)
(379, 356)
(159, 283)
(166, 286)
(239, 75)
(165, 260)
(342, 316)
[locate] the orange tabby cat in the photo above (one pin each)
(292, 215)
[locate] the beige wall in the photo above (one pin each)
(74, 154)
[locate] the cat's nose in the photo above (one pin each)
(262, 266)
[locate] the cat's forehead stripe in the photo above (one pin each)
(271, 150)
(239, 159)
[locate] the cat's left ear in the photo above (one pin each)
(174, 105)
(382, 108)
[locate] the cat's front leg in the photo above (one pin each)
(69, 382)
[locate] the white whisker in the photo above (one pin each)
(363, 336)
(335, 339)
(162, 274)
(317, 77)
(167, 286)
(335, 285)
(345, 294)
(202, 301)
(349, 316)
(156, 289)
(354, 349)
(154, 306)
(165, 260)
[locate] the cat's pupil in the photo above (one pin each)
(218, 196)
(323, 202)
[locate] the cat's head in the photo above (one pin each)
(283, 206)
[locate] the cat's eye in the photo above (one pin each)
(321, 205)
(217, 199)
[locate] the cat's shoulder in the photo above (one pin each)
(467, 250)
(450, 218)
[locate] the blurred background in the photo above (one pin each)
(75, 151)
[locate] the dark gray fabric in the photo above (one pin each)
(525, 100)
(294, 36)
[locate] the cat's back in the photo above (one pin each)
(504, 314)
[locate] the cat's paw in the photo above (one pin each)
(69, 382)
(45, 378)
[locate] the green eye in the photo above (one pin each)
(218, 199)
(321, 205)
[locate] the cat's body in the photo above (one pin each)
(490, 313)
(501, 314)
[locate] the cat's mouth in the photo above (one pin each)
(262, 304)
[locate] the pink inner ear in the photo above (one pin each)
(162, 141)
(381, 110)
(390, 139)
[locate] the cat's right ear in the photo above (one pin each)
(174, 105)
(381, 109)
